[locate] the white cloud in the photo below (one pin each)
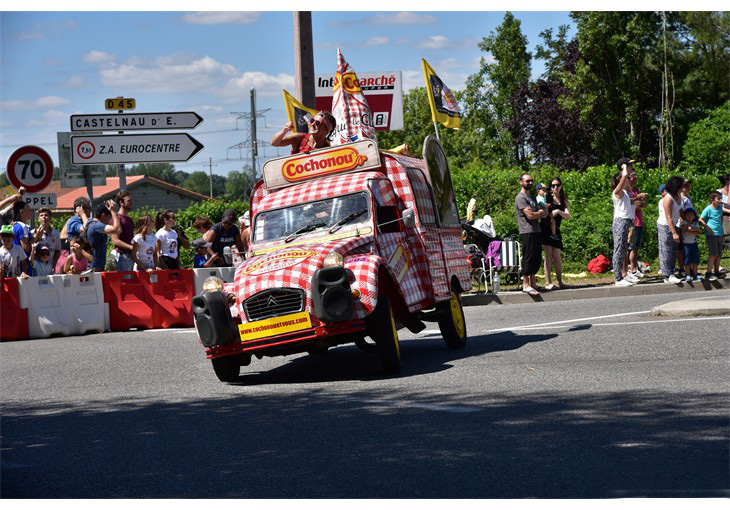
(376, 41)
(435, 42)
(186, 73)
(401, 18)
(414, 78)
(98, 57)
(75, 81)
(217, 18)
(49, 117)
(39, 31)
(41, 102)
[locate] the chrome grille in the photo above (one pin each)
(273, 303)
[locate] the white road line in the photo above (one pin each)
(637, 323)
(584, 319)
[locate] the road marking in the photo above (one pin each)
(568, 321)
(635, 323)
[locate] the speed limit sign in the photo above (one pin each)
(30, 166)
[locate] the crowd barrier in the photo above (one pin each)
(64, 305)
(13, 319)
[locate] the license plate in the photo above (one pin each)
(274, 326)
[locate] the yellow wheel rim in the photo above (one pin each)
(457, 315)
(395, 333)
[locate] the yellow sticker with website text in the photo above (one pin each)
(274, 326)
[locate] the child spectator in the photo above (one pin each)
(78, 260)
(711, 219)
(202, 257)
(144, 245)
(544, 199)
(22, 213)
(12, 257)
(40, 260)
(690, 228)
(48, 235)
(98, 230)
(168, 235)
(636, 234)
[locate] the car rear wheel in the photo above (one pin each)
(451, 322)
(382, 329)
(227, 368)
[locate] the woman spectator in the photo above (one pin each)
(623, 219)
(317, 137)
(559, 209)
(669, 209)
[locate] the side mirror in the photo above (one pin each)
(409, 218)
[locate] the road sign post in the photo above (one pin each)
(31, 167)
(134, 148)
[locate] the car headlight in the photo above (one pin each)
(334, 259)
(212, 283)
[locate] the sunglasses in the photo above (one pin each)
(555, 185)
(316, 123)
(529, 180)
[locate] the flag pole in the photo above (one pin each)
(436, 127)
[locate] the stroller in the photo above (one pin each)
(493, 261)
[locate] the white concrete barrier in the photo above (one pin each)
(224, 273)
(84, 302)
(47, 307)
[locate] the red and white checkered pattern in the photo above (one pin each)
(350, 109)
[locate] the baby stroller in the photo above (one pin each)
(493, 261)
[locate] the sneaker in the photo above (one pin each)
(624, 283)
(688, 278)
(698, 278)
(681, 274)
(712, 277)
(672, 279)
(720, 275)
(630, 277)
(637, 274)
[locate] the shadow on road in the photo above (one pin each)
(371, 444)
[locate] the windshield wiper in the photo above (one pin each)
(346, 219)
(304, 229)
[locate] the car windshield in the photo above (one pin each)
(310, 217)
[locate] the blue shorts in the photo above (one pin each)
(691, 254)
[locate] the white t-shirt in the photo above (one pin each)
(168, 238)
(52, 239)
(145, 251)
(662, 220)
(622, 207)
(11, 259)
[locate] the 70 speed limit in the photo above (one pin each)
(30, 166)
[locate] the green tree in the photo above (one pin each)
(417, 123)
(498, 81)
(707, 148)
(239, 184)
(162, 171)
(200, 183)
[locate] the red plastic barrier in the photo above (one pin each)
(131, 304)
(173, 293)
(13, 319)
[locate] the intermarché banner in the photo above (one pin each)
(383, 91)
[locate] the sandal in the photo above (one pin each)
(550, 286)
(531, 291)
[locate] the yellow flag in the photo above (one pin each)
(444, 108)
(298, 113)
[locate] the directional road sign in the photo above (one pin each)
(143, 148)
(30, 166)
(135, 121)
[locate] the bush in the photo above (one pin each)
(707, 148)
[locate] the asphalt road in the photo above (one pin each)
(620, 406)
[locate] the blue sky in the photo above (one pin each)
(55, 64)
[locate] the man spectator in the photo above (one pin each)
(98, 229)
(224, 234)
(123, 240)
(76, 225)
(528, 220)
(48, 235)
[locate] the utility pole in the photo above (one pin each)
(304, 58)
(254, 145)
(250, 140)
(210, 175)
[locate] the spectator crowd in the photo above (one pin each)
(150, 243)
(678, 226)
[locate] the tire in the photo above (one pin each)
(226, 368)
(451, 322)
(381, 328)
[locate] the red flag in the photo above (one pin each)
(349, 106)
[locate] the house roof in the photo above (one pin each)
(66, 196)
